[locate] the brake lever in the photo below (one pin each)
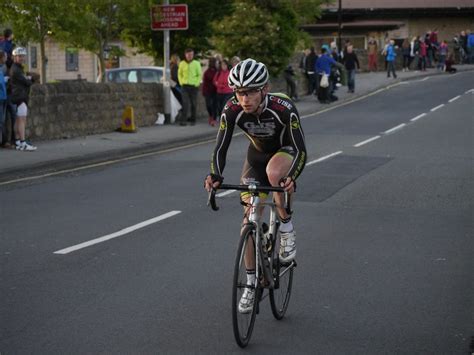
(212, 200)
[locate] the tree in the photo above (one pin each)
(32, 20)
(266, 30)
(91, 25)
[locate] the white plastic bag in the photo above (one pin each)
(324, 81)
(175, 107)
(160, 119)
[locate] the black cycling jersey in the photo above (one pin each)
(277, 126)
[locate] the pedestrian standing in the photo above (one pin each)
(323, 70)
(470, 47)
(391, 55)
(351, 62)
(209, 91)
(7, 46)
(372, 52)
(20, 85)
(443, 54)
(310, 64)
(189, 75)
(3, 97)
(423, 55)
(289, 75)
(406, 54)
(221, 82)
(414, 49)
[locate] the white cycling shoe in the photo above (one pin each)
(246, 301)
(287, 247)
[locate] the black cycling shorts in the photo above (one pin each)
(255, 165)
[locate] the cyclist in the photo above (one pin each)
(276, 154)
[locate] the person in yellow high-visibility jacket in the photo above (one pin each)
(189, 75)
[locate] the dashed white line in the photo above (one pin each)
(468, 91)
(436, 108)
(424, 79)
(228, 192)
(366, 141)
(454, 98)
(418, 117)
(117, 234)
(396, 128)
(324, 158)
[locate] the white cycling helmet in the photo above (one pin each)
(19, 51)
(248, 74)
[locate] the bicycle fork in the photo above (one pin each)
(261, 258)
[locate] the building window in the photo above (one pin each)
(112, 55)
(33, 58)
(72, 59)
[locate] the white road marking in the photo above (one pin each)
(324, 158)
(468, 91)
(225, 193)
(454, 98)
(366, 141)
(418, 117)
(436, 108)
(424, 79)
(396, 128)
(117, 234)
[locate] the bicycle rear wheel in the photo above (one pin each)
(243, 322)
(280, 295)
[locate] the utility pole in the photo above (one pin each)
(339, 19)
(166, 72)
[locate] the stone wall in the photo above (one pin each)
(78, 108)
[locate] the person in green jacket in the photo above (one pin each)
(189, 75)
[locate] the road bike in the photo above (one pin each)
(259, 243)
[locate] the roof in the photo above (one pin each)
(399, 4)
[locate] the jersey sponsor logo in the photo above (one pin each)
(295, 123)
(280, 101)
(262, 129)
(222, 125)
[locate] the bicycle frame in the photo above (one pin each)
(254, 219)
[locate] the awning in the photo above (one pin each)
(372, 24)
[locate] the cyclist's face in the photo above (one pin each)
(250, 99)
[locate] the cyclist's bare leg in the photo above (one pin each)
(277, 168)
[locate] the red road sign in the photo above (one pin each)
(169, 17)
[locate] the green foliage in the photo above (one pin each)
(266, 34)
(266, 30)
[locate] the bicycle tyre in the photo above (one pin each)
(280, 297)
(243, 323)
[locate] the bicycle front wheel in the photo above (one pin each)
(243, 321)
(280, 295)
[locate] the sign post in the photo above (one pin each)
(165, 18)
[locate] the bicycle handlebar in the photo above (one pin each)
(249, 188)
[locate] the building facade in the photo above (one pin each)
(361, 20)
(68, 63)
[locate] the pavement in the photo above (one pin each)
(67, 154)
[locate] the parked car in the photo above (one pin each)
(135, 75)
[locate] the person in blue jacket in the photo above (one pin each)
(3, 95)
(323, 67)
(391, 55)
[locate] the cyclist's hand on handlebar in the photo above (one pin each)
(288, 184)
(212, 181)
